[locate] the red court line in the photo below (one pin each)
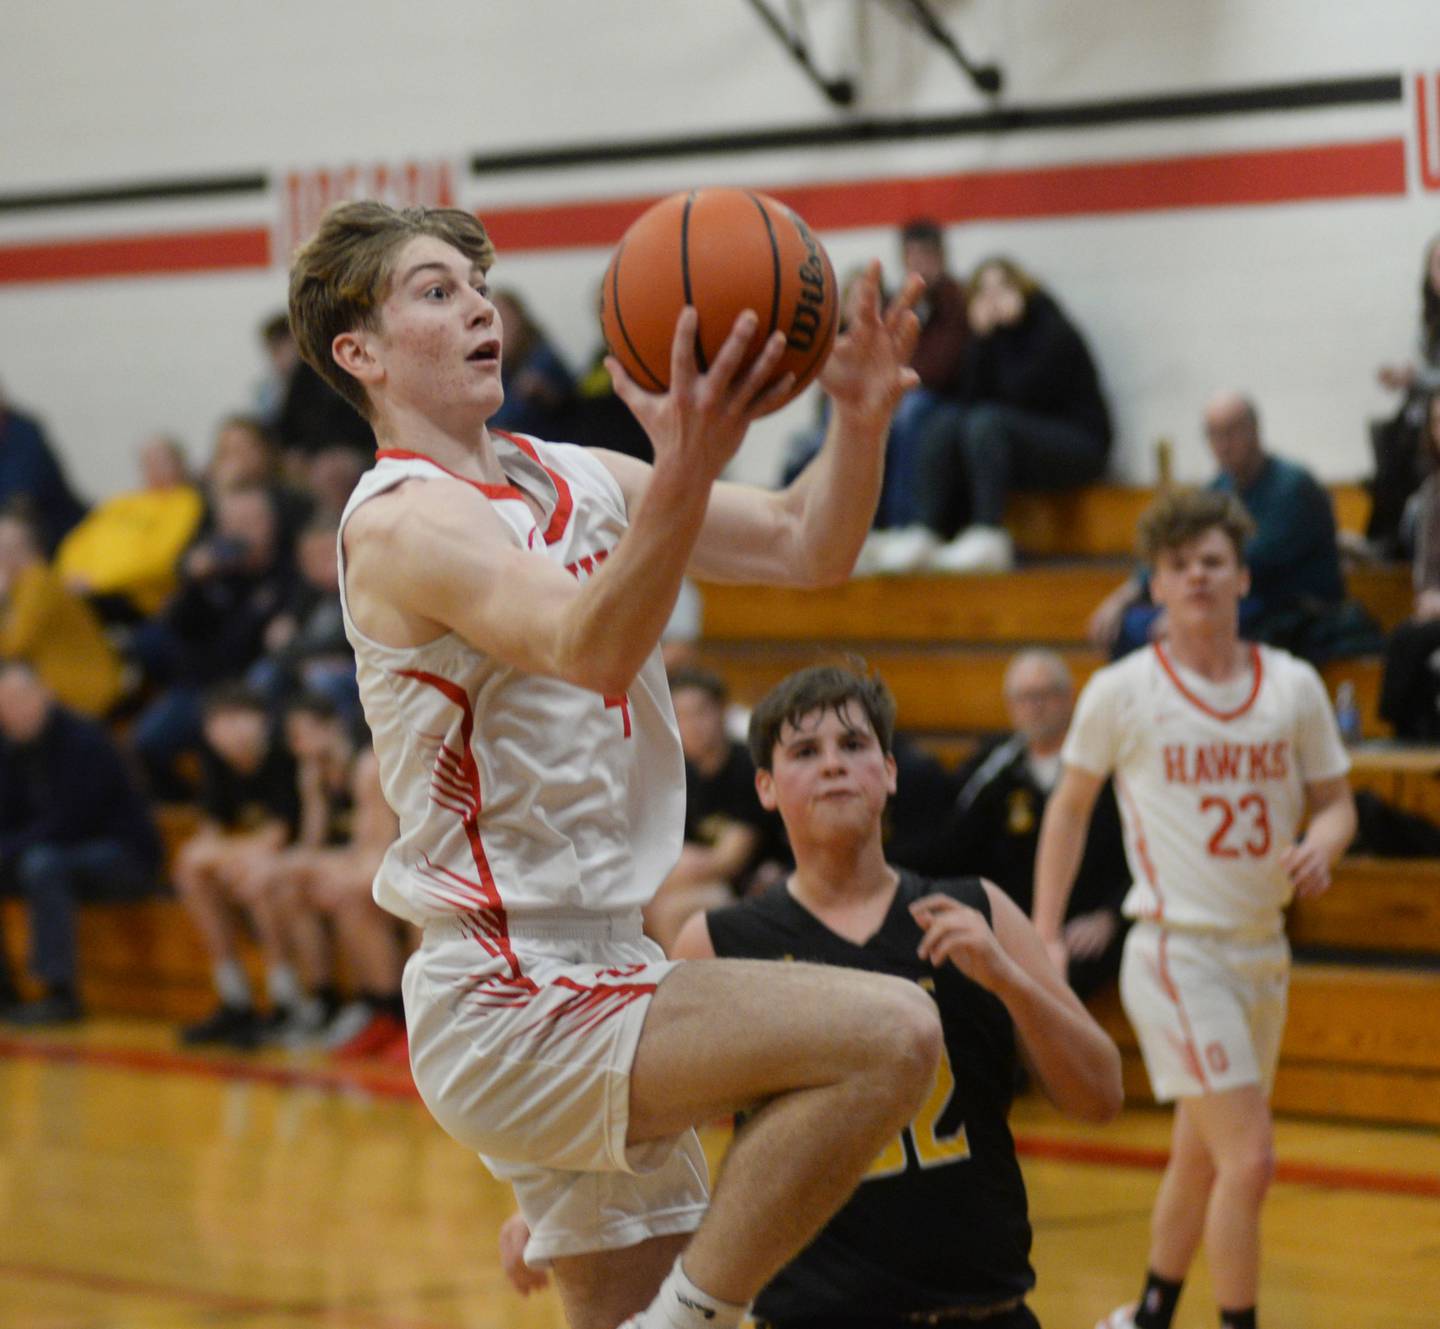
(115, 1285)
(1327, 171)
(1298, 1172)
(370, 1080)
(374, 1081)
(135, 255)
(1212, 180)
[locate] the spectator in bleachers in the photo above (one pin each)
(250, 807)
(539, 389)
(232, 584)
(1421, 376)
(1397, 442)
(345, 828)
(47, 625)
(124, 555)
(303, 412)
(1410, 690)
(925, 792)
(939, 359)
(1297, 592)
(597, 417)
(74, 827)
(994, 829)
(1031, 415)
(305, 645)
(729, 837)
(332, 474)
(244, 455)
(30, 471)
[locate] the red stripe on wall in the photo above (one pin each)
(1276, 175)
(136, 255)
(1216, 180)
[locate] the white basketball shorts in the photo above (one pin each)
(531, 1069)
(1208, 1008)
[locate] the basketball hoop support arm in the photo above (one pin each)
(987, 78)
(838, 91)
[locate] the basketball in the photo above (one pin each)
(723, 251)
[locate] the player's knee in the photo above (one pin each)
(913, 1042)
(1252, 1169)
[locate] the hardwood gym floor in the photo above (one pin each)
(141, 1189)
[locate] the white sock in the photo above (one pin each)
(283, 986)
(231, 983)
(681, 1305)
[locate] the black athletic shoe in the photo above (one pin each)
(57, 1008)
(234, 1026)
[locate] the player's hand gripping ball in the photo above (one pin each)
(723, 251)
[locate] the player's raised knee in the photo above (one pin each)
(911, 1039)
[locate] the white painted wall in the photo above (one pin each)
(1296, 303)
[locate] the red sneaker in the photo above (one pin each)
(396, 1052)
(381, 1030)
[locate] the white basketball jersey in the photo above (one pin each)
(1210, 779)
(517, 793)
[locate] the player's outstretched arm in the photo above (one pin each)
(1057, 858)
(1073, 1059)
(1330, 830)
(810, 533)
(432, 555)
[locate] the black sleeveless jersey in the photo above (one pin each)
(941, 1220)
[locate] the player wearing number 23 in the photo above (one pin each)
(1220, 750)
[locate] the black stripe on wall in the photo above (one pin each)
(1360, 91)
(1377, 89)
(142, 191)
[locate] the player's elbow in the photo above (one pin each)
(609, 680)
(609, 670)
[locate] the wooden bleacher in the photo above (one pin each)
(1363, 1039)
(944, 663)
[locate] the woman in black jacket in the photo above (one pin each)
(1031, 417)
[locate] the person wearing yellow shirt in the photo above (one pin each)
(130, 545)
(50, 628)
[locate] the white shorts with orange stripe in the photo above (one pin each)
(1208, 1008)
(523, 1053)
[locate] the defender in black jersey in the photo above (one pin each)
(938, 1232)
(941, 1221)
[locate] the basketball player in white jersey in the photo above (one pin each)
(1220, 751)
(505, 597)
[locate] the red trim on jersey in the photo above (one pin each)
(564, 502)
(1142, 847)
(1192, 1051)
(452, 769)
(490, 491)
(593, 1004)
(1256, 664)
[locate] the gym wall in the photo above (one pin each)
(1234, 193)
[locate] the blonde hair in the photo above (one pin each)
(1017, 276)
(341, 276)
